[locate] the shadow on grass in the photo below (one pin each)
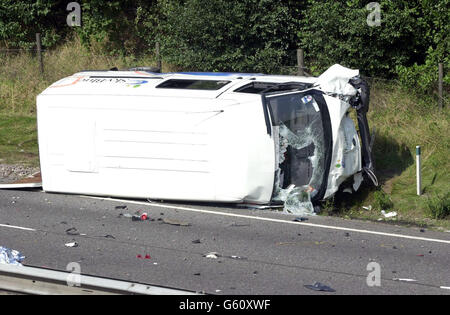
(391, 159)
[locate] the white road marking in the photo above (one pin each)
(17, 227)
(445, 288)
(330, 227)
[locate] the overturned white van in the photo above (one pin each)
(213, 137)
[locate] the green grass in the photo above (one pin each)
(402, 121)
(18, 140)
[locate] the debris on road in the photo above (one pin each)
(297, 200)
(72, 244)
(300, 219)
(175, 222)
(212, 255)
(10, 257)
(234, 224)
(136, 217)
(72, 232)
(319, 287)
(121, 207)
(238, 257)
(196, 242)
(404, 280)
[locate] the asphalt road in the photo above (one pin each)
(259, 252)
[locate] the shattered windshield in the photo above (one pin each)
(300, 149)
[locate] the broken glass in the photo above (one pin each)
(300, 151)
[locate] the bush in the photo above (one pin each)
(117, 25)
(337, 32)
(438, 206)
(223, 35)
(21, 20)
(382, 200)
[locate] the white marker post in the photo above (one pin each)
(418, 168)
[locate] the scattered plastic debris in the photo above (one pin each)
(404, 280)
(10, 257)
(175, 222)
(212, 255)
(72, 232)
(319, 287)
(238, 258)
(147, 256)
(348, 191)
(300, 219)
(389, 215)
(142, 217)
(357, 181)
(369, 208)
(72, 244)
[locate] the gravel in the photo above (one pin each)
(12, 173)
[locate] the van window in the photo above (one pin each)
(211, 85)
(259, 87)
(303, 146)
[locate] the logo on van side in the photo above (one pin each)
(136, 83)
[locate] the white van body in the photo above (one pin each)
(180, 136)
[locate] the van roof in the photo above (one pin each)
(182, 84)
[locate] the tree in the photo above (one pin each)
(224, 35)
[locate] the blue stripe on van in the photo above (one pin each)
(219, 74)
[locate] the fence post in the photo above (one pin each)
(441, 85)
(301, 62)
(158, 56)
(39, 52)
